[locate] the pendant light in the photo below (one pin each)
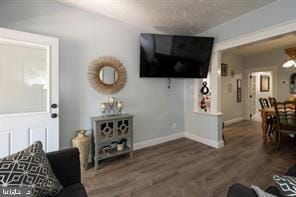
(291, 62)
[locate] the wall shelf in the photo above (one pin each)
(198, 96)
(113, 153)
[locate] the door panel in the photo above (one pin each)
(20, 139)
(5, 143)
(28, 86)
(39, 133)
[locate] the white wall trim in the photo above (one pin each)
(175, 136)
(159, 140)
(209, 113)
(203, 140)
(262, 34)
(229, 122)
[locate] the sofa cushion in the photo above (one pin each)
(75, 190)
(286, 185)
(239, 190)
(30, 167)
(291, 171)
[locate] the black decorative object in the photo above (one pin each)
(204, 89)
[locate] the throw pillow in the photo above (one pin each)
(286, 185)
(260, 192)
(30, 167)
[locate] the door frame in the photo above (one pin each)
(274, 73)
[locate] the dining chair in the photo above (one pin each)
(286, 119)
(272, 101)
(263, 102)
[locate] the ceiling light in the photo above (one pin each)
(291, 62)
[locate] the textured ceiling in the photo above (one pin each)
(171, 16)
(280, 42)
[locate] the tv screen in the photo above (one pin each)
(172, 56)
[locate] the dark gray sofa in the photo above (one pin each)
(239, 190)
(66, 166)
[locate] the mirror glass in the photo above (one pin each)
(108, 75)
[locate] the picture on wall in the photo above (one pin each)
(229, 87)
(239, 90)
(224, 69)
(264, 83)
(293, 83)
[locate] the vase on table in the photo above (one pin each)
(82, 142)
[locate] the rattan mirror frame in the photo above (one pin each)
(94, 75)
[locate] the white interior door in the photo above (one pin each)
(28, 91)
(252, 93)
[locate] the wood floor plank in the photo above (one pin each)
(185, 168)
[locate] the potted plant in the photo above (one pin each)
(121, 144)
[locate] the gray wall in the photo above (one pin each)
(276, 13)
(273, 58)
(230, 108)
(84, 36)
(203, 126)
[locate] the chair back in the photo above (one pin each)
(263, 102)
(286, 115)
(272, 101)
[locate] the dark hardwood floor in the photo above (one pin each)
(186, 168)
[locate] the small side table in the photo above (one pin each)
(107, 129)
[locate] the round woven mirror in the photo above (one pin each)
(107, 75)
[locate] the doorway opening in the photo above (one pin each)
(259, 65)
(260, 84)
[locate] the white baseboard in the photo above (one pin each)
(203, 140)
(168, 138)
(229, 122)
(159, 140)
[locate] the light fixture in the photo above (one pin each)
(291, 62)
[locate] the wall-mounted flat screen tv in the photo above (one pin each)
(172, 56)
